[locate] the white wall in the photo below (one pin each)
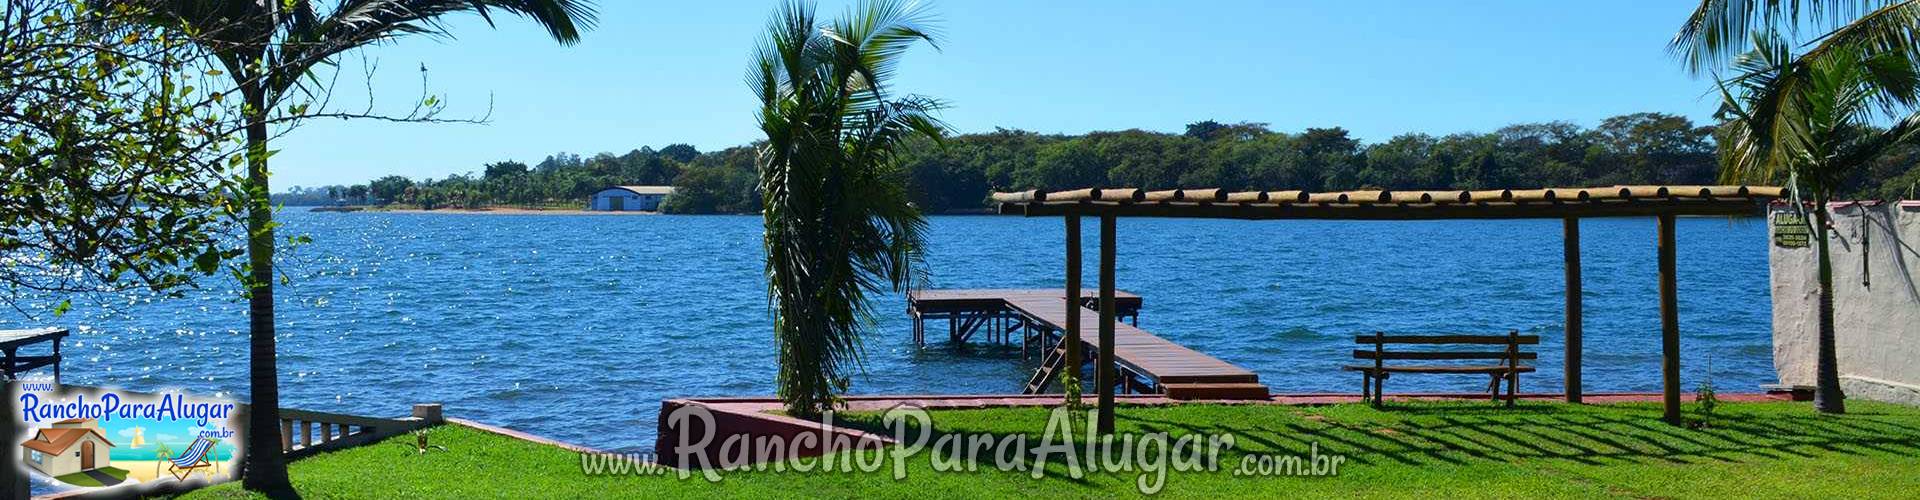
(1877, 322)
(631, 202)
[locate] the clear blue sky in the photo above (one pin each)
(666, 72)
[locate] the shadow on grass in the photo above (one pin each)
(1455, 434)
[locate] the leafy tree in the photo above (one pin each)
(1204, 130)
(1404, 162)
(1332, 153)
(682, 153)
(1145, 159)
(1805, 120)
(270, 49)
(504, 169)
(389, 189)
(1065, 165)
(1656, 148)
(839, 224)
(114, 170)
(700, 190)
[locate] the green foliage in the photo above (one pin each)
(721, 182)
(389, 189)
(1645, 148)
(560, 179)
(839, 224)
(1707, 400)
(114, 159)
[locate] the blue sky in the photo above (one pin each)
(660, 73)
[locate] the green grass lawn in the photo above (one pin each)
(82, 479)
(1433, 450)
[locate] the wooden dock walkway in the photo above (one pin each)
(1148, 364)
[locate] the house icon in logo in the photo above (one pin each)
(69, 446)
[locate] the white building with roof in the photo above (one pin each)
(69, 446)
(629, 198)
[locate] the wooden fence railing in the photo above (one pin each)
(305, 432)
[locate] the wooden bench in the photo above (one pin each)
(1506, 359)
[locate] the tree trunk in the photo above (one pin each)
(266, 466)
(1827, 397)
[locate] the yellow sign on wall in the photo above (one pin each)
(1790, 230)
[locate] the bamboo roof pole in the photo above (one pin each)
(1247, 197)
(1213, 195)
(1287, 197)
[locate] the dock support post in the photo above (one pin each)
(1669, 323)
(1071, 337)
(1107, 363)
(1574, 299)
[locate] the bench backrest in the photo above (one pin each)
(1505, 348)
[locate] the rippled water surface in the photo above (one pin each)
(575, 327)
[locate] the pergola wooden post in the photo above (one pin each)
(1072, 335)
(1669, 323)
(1107, 371)
(1574, 299)
(1567, 204)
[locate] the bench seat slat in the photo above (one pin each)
(1439, 369)
(1441, 355)
(1446, 339)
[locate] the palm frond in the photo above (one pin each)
(1717, 30)
(1807, 120)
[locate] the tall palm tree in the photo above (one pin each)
(1807, 120)
(269, 48)
(838, 221)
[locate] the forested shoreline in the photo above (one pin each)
(1641, 148)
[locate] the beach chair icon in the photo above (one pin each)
(194, 458)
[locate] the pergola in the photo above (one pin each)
(1664, 203)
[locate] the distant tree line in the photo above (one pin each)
(1640, 148)
(715, 182)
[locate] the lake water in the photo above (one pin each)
(575, 327)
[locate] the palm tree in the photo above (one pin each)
(1720, 30)
(838, 221)
(1807, 120)
(269, 48)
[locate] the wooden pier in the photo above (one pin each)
(13, 364)
(1147, 363)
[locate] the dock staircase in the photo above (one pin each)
(1050, 365)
